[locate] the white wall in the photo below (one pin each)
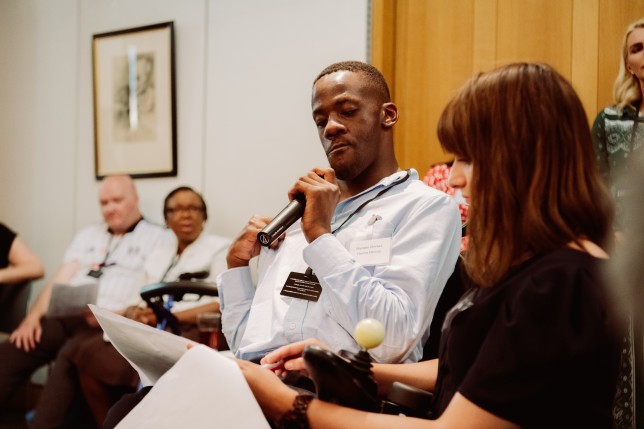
(244, 73)
(262, 59)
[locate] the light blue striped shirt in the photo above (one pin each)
(425, 231)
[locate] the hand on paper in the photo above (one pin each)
(90, 319)
(291, 356)
(143, 315)
(273, 396)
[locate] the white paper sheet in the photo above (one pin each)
(67, 300)
(196, 388)
(204, 390)
(150, 351)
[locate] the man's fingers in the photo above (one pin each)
(327, 174)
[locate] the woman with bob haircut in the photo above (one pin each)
(534, 342)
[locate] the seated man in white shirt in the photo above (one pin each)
(110, 254)
(103, 373)
(411, 234)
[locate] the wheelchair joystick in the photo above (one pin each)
(369, 333)
(347, 378)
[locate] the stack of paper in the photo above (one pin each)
(196, 388)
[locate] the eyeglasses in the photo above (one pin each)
(175, 211)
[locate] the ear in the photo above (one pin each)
(388, 115)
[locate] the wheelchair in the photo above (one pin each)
(160, 297)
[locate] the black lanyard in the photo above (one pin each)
(394, 184)
(98, 271)
(105, 264)
(403, 179)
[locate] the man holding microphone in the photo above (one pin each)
(373, 240)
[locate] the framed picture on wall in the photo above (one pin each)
(134, 102)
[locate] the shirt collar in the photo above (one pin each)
(130, 229)
(354, 201)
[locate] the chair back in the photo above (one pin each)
(13, 305)
(454, 289)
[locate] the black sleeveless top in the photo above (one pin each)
(541, 349)
(6, 240)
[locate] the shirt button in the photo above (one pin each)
(291, 326)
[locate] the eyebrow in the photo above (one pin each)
(344, 99)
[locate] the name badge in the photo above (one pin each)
(95, 273)
(371, 252)
(301, 286)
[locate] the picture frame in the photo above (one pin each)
(134, 102)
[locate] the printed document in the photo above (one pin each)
(196, 388)
(67, 300)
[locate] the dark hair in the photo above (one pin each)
(535, 185)
(371, 74)
(182, 189)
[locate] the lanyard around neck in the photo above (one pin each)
(378, 195)
(110, 251)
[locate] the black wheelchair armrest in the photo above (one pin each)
(153, 295)
(199, 275)
(408, 400)
(178, 289)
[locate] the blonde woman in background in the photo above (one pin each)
(618, 134)
(618, 130)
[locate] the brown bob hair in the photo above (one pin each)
(535, 186)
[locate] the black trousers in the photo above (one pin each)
(124, 406)
(61, 398)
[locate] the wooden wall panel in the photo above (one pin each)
(484, 35)
(583, 76)
(535, 30)
(431, 47)
(383, 37)
(427, 72)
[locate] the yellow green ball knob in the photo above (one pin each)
(369, 333)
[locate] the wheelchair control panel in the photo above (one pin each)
(346, 378)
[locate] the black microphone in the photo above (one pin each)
(292, 212)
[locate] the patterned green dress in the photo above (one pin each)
(616, 136)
